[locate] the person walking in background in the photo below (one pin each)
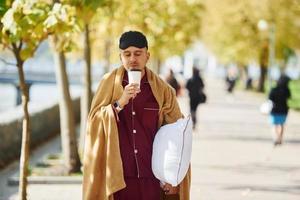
(124, 119)
(195, 88)
(279, 95)
(173, 81)
(231, 78)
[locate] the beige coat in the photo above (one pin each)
(103, 172)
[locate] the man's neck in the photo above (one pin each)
(143, 72)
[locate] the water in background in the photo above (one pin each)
(42, 63)
(39, 94)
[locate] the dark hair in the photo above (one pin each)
(195, 71)
(283, 81)
(133, 38)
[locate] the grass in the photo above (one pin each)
(76, 174)
(294, 102)
(53, 156)
(52, 165)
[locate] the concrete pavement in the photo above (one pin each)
(233, 155)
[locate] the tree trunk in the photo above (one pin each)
(262, 78)
(107, 51)
(86, 97)
(158, 65)
(24, 159)
(67, 122)
(247, 78)
(264, 56)
(155, 65)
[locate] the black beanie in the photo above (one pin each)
(133, 38)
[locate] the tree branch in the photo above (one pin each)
(20, 45)
(7, 63)
(16, 52)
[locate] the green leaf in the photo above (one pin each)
(27, 53)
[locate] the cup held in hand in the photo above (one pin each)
(134, 76)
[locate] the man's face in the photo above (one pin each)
(134, 58)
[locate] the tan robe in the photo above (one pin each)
(103, 172)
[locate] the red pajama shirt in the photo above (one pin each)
(137, 127)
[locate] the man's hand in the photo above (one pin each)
(168, 189)
(130, 91)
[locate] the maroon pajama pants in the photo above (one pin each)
(142, 189)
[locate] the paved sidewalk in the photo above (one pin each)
(233, 156)
(10, 192)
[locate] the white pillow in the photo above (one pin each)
(172, 149)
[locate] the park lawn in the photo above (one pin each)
(294, 102)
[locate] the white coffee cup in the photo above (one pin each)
(134, 76)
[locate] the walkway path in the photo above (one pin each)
(233, 156)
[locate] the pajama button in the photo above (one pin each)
(135, 151)
(134, 131)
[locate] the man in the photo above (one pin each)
(123, 121)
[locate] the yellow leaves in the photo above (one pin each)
(63, 22)
(30, 21)
(61, 18)
(9, 23)
(21, 19)
(169, 25)
(65, 43)
(27, 52)
(230, 27)
(179, 36)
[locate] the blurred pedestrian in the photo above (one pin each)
(249, 85)
(173, 81)
(279, 95)
(195, 88)
(231, 78)
(249, 80)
